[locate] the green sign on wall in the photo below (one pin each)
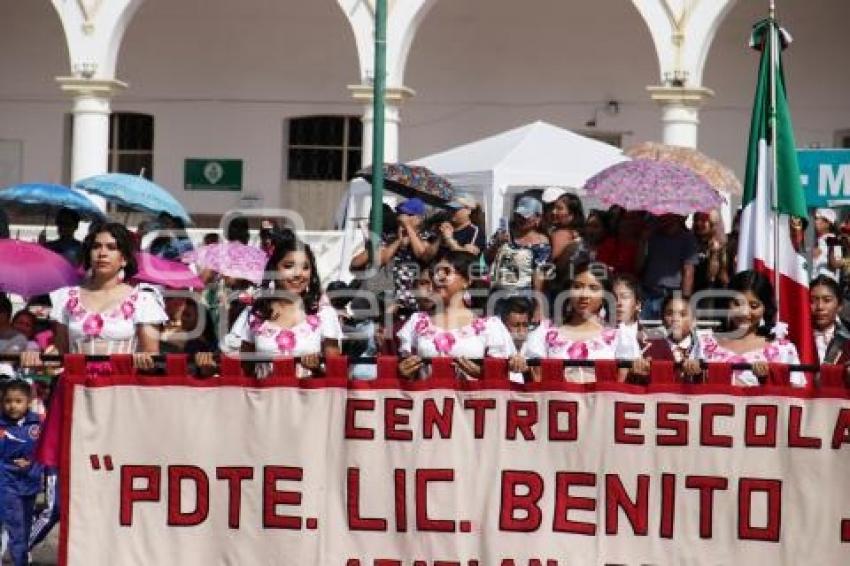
(212, 174)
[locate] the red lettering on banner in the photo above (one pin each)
(400, 481)
(130, 495)
(387, 562)
(511, 501)
(841, 435)
(709, 412)
(637, 511)
(706, 486)
(352, 407)
(564, 502)
(272, 497)
(433, 417)
(234, 475)
(479, 408)
(773, 489)
(556, 409)
(423, 522)
(795, 437)
(392, 419)
(663, 413)
(522, 416)
(355, 521)
(622, 424)
(845, 530)
(668, 505)
(176, 476)
(752, 436)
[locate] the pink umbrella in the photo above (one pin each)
(657, 187)
(171, 274)
(29, 269)
(230, 259)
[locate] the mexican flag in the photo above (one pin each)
(773, 193)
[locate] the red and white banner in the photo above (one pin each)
(181, 471)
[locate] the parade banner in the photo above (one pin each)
(176, 470)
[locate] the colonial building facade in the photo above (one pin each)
(275, 94)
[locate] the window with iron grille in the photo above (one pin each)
(131, 143)
(324, 148)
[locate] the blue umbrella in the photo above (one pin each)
(134, 192)
(46, 198)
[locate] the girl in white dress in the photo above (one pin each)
(583, 335)
(104, 315)
(453, 330)
(288, 318)
(752, 322)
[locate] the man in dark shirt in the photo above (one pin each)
(460, 233)
(67, 222)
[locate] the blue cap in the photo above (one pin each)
(528, 207)
(412, 206)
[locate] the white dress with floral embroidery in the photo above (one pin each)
(550, 341)
(304, 338)
(780, 350)
(482, 337)
(109, 332)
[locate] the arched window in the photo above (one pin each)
(324, 148)
(131, 143)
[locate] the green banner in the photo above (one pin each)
(212, 174)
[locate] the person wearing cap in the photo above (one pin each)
(825, 219)
(462, 233)
(406, 251)
(519, 254)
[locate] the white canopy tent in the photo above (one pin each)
(492, 169)
(536, 155)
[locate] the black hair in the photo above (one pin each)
(672, 297)
(461, 262)
(263, 305)
(828, 282)
(238, 230)
(339, 294)
(604, 219)
(67, 215)
(576, 210)
(25, 312)
(5, 304)
(760, 286)
(18, 384)
(516, 305)
(124, 241)
(582, 264)
(629, 281)
(208, 335)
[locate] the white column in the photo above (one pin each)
(680, 108)
(91, 109)
(392, 120)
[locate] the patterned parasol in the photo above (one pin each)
(657, 187)
(718, 175)
(414, 181)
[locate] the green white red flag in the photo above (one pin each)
(773, 193)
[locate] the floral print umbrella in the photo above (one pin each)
(657, 187)
(414, 181)
(718, 175)
(231, 259)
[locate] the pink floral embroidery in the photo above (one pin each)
(608, 335)
(710, 346)
(73, 303)
(771, 353)
(128, 309)
(254, 323)
(422, 325)
(577, 351)
(93, 325)
(444, 342)
(552, 338)
(737, 359)
(313, 321)
(479, 325)
(286, 341)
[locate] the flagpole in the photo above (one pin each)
(774, 181)
(378, 93)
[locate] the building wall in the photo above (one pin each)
(222, 77)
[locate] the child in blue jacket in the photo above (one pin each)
(20, 476)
